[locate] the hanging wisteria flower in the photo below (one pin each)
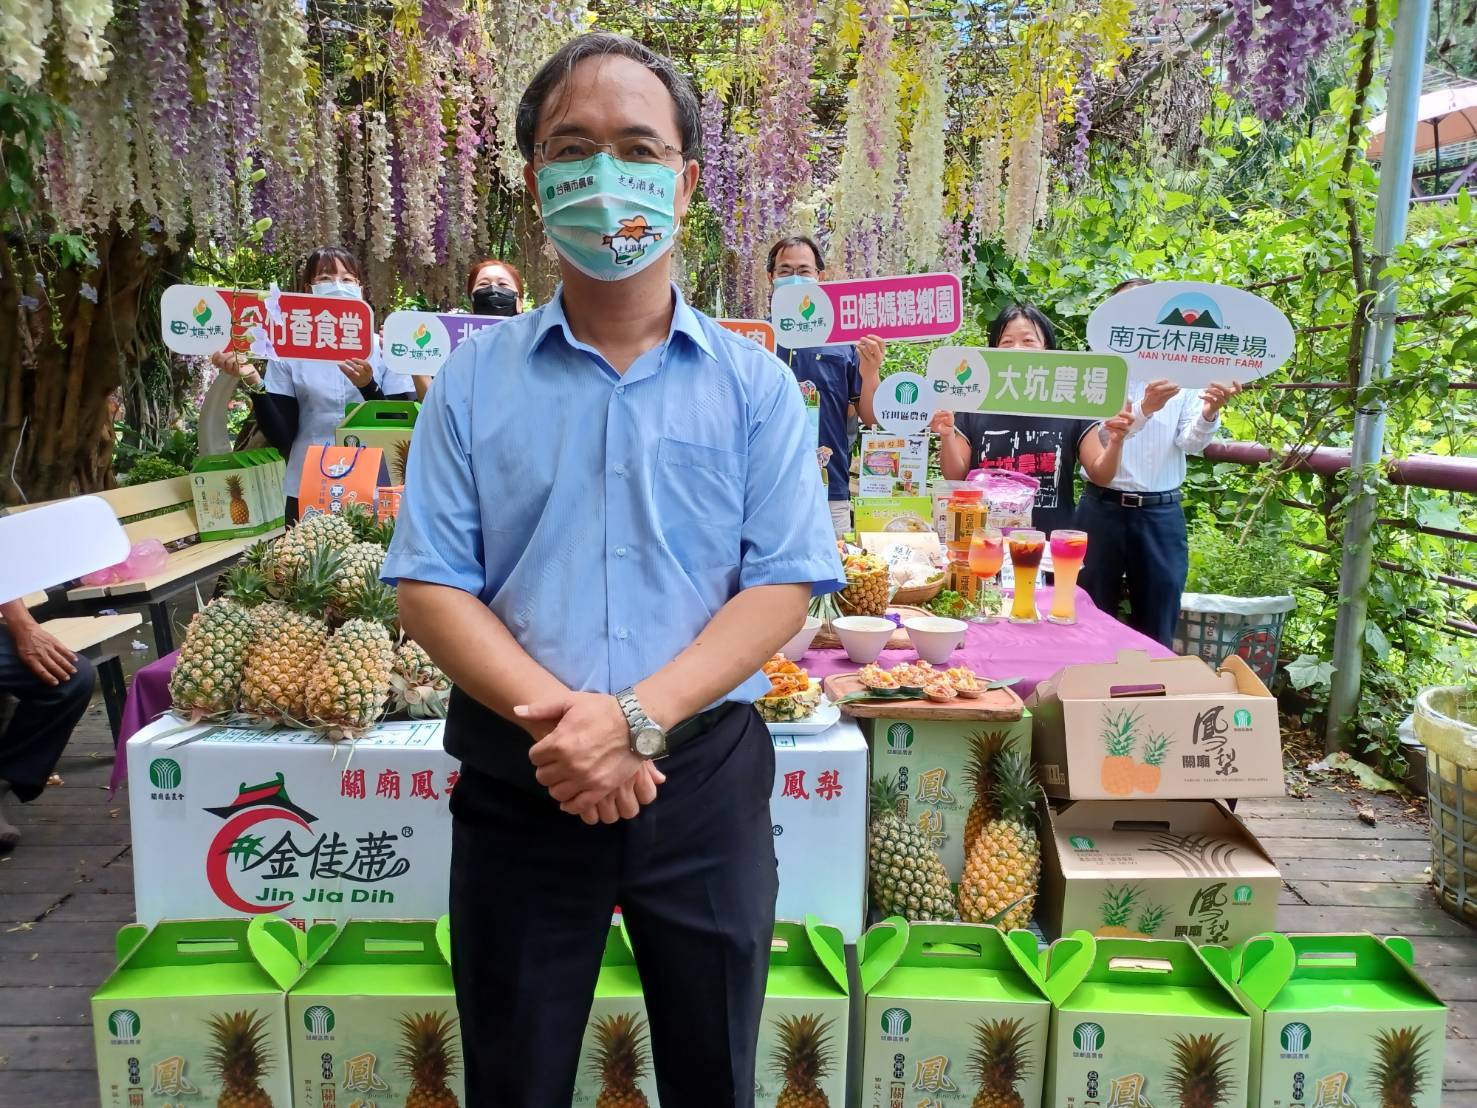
(421, 131)
(923, 203)
(326, 161)
(985, 206)
(29, 303)
(1273, 47)
(164, 39)
(1082, 118)
(23, 28)
(866, 183)
(1023, 192)
(86, 46)
(381, 196)
(87, 292)
(284, 82)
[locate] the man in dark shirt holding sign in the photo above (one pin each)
(844, 377)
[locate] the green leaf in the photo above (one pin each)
(1435, 513)
(1376, 640)
(1306, 671)
(1174, 201)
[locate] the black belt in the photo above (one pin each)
(1134, 499)
(694, 726)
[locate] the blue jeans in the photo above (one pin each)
(1147, 549)
(43, 721)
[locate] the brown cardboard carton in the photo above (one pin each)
(1171, 728)
(1154, 869)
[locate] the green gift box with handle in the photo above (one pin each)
(803, 1030)
(386, 425)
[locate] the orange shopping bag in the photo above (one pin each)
(334, 476)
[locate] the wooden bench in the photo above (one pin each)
(85, 635)
(163, 510)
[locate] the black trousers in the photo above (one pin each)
(532, 891)
(43, 720)
(1144, 548)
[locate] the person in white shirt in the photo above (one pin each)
(1131, 501)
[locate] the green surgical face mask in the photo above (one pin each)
(608, 219)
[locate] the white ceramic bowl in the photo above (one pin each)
(802, 640)
(934, 637)
(864, 637)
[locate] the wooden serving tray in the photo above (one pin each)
(999, 705)
(826, 639)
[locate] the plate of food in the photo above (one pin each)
(919, 690)
(795, 704)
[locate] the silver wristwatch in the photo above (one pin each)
(647, 739)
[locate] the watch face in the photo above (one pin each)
(651, 743)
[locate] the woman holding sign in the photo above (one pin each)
(494, 287)
(303, 402)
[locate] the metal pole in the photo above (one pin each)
(1404, 94)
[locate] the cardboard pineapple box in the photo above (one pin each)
(250, 820)
(929, 762)
(819, 811)
(955, 1013)
(1151, 869)
(1171, 728)
(386, 425)
(617, 1042)
(373, 1019)
(1338, 1020)
(195, 1014)
(232, 495)
(1142, 1023)
(803, 1030)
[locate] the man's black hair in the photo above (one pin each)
(1028, 312)
(1131, 283)
(600, 44)
(795, 240)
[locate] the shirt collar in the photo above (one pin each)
(685, 321)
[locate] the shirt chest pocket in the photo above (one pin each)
(699, 498)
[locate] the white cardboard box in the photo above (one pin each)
(819, 811)
(247, 821)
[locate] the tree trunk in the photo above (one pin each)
(61, 359)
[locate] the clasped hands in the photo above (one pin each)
(582, 755)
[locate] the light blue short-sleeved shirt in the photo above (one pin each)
(605, 518)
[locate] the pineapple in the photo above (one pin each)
(399, 459)
(1120, 733)
(240, 510)
(1399, 1069)
(350, 680)
(287, 643)
(620, 1061)
(1146, 775)
(208, 674)
(1151, 919)
(1118, 906)
(292, 551)
(245, 583)
(984, 746)
(998, 1061)
(238, 1057)
(868, 585)
(1002, 870)
(904, 872)
(258, 558)
(420, 688)
(360, 568)
(428, 1057)
(1198, 1079)
(802, 1057)
(787, 707)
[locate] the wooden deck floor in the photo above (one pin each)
(65, 892)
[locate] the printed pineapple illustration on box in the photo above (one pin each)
(239, 1059)
(904, 872)
(998, 1062)
(240, 510)
(979, 775)
(1119, 902)
(1401, 1067)
(620, 1060)
(1003, 868)
(399, 460)
(1148, 773)
(802, 1057)
(1198, 1078)
(1119, 734)
(428, 1056)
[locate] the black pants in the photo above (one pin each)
(43, 720)
(532, 891)
(1144, 547)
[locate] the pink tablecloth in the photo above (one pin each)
(148, 699)
(1030, 651)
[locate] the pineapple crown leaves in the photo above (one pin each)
(246, 584)
(361, 520)
(238, 1053)
(999, 1058)
(1014, 791)
(886, 799)
(619, 1058)
(1151, 918)
(1400, 1062)
(1198, 1075)
(427, 1051)
(378, 603)
(1118, 903)
(802, 1056)
(1120, 731)
(984, 748)
(1155, 750)
(258, 557)
(314, 587)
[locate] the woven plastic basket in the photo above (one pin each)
(1214, 627)
(1446, 722)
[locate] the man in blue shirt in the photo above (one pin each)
(843, 377)
(611, 521)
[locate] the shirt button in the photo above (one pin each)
(620, 390)
(620, 469)
(623, 634)
(620, 552)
